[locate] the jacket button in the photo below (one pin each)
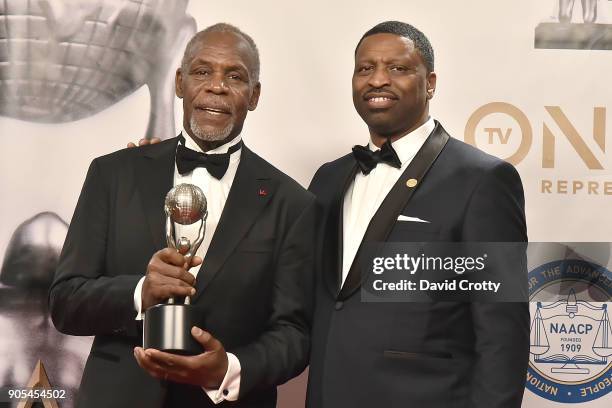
(339, 305)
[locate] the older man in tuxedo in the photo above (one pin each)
(254, 284)
(411, 182)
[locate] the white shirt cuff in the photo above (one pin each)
(138, 300)
(230, 386)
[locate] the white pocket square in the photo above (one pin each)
(410, 219)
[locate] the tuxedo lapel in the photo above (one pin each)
(385, 217)
(346, 174)
(250, 192)
(155, 177)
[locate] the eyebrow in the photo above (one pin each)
(237, 67)
(232, 67)
(402, 61)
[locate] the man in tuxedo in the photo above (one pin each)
(411, 182)
(254, 285)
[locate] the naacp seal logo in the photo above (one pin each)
(571, 337)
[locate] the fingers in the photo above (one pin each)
(167, 277)
(149, 361)
(141, 142)
(171, 256)
(165, 274)
(207, 369)
(145, 141)
(206, 339)
(214, 359)
(149, 365)
(171, 362)
(162, 292)
(195, 261)
(177, 258)
(155, 294)
(170, 263)
(168, 274)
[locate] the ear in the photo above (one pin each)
(431, 84)
(255, 96)
(178, 83)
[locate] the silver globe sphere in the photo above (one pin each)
(185, 204)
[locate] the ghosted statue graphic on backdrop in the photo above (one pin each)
(62, 61)
(580, 25)
(27, 331)
(589, 10)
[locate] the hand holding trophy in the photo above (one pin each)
(167, 326)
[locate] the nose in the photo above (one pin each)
(216, 84)
(379, 77)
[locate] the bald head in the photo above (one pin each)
(247, 42)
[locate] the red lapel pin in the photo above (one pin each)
(263, 192)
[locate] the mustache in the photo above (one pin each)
(374, 92)
(213, 103)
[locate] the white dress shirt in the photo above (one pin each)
(367, 192)
(216, 192)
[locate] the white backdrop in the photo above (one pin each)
(484, 53)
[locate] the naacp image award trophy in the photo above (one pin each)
(167, 326)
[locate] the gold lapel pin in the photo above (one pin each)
(412, 183)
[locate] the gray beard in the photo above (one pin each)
(209, 136)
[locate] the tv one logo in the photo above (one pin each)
(485, 129)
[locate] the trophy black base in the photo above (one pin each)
(167, 327)
(573, 36)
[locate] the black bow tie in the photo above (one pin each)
(216, 164)
(368, 159)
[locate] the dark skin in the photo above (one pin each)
(387, 66)
(167, 277)
(391, 87)
(203, 370)
(391, 92)
(216, 86)
(217, 91)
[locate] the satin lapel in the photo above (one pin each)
(155, 177)
(251, 191)
(385, 217)
(346, 175)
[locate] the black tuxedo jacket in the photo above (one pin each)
(255, 285)
(439, 354)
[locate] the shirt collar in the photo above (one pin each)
(407, 146)
(190, 144)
